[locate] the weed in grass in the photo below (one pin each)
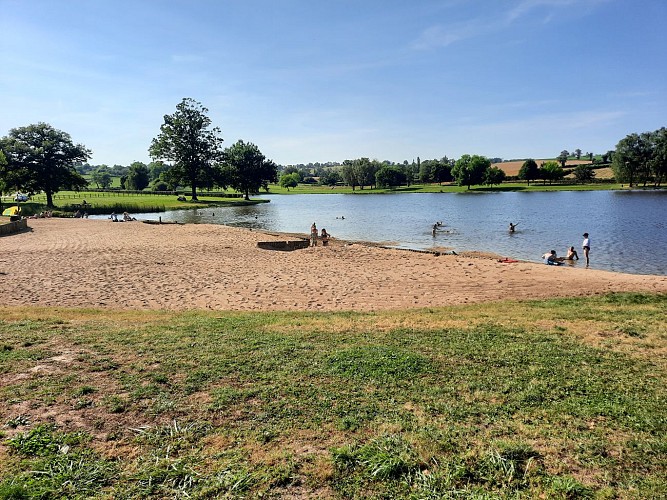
(231, 480)
(379, 363)
(172, 438)
(84, 391)
(17, 421)
(116, 404)
(165, 477)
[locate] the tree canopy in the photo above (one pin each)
(138, 177)
(42, 158)
(469, 170)
(247, 169)
(529, 171)
(390, 176)
(638, 157)
(584, 173)
(187, 140)
(551, 171)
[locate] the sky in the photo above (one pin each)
(329, 80)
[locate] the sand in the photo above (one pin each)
(98, 263)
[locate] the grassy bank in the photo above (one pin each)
(68, 202)
(558, 399)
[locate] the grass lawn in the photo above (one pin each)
(66, 202)
(547, 399)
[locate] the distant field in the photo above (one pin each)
(513, 167)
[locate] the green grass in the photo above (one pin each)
(66, 202)
(558, 399)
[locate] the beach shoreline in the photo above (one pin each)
(130, 265)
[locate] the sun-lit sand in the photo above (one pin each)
(97, 263)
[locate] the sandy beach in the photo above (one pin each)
(97, 263)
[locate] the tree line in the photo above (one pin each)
(187, 152)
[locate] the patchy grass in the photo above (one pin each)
(555, 399)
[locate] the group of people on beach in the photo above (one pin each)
(323, 236)
(552, 259)
(126, 217)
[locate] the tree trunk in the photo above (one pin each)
(194, 192)
(247, 195)
(49, 199)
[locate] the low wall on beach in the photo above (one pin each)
(13, 227)
(283, 245)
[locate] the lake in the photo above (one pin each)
(628, 229)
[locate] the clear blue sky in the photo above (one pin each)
(328, 80)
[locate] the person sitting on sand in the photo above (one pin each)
(550, 258)
(324, 236)
(572, 254)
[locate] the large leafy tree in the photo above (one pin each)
(551, 171)
(631, 159)
(187, 140)
(3, 165)
(584, 173)
(529, 171)
(102, 177)
(247, 169)
(138, 177)
(658, 160)
(390, 176)
(42, 158)
(469, 170)
(494, 175)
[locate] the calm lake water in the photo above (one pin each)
(628, 230)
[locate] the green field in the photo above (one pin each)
(67, 202)
(546, 399)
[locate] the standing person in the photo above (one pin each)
(586, 245)
(313, 235)
(513, 227)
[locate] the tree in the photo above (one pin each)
(659, 158)
(187, 140)
(551, 171)
(631, 158)
(577, 154)
(42, 158)
(562, 157)
(389, 176)
(364, 170)
(138, 177)
(247, 169)
(494, 175)
(349, 174)
(469, 170)
(289, 180)
(3, 165)
(101, 177)
(156, 168)
(330, 177)
(529, 171)
(584, 173)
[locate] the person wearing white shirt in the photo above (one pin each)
(586, 245)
